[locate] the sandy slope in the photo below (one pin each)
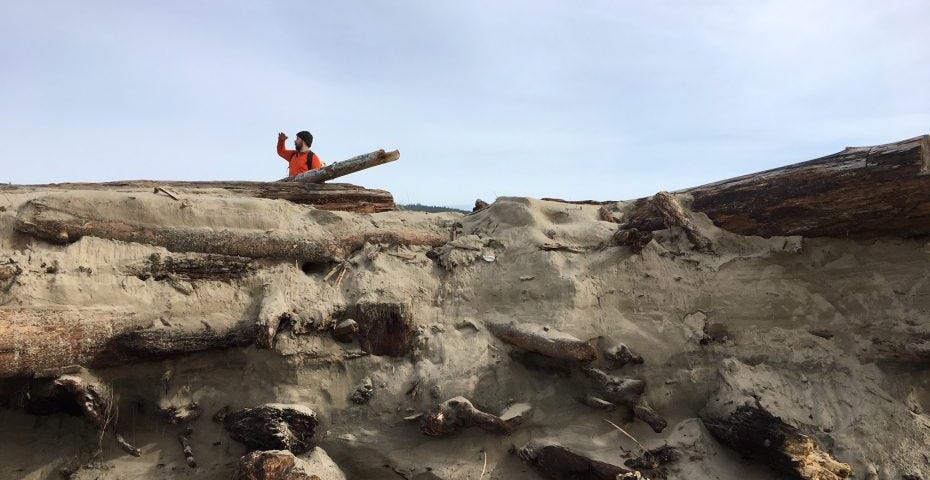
(759, 298)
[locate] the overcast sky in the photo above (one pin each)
(594, 99)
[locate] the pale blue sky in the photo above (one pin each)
(594, 99)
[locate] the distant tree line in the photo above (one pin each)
(419, 207)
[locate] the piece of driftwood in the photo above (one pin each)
(663, 210)
(626, 392)
(557, 462)
(384, 328)
(188, 451)
(191, 267)
(42, 342)
(756, 433)
(458, 413)
(331, 196)
(273, 426)
(61, 227)
(544, 341)
(79, 394)
(283, 465)
(345, 167)
(863, 192)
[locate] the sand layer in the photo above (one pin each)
(812, 329)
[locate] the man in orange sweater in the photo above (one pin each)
(302, 159)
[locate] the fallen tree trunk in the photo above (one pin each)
(45, 342)
(56, 226)
(340, 169)
(859, 192)
(333, 196)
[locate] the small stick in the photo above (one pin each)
(627, 434)
(345, 268)
(485, 464)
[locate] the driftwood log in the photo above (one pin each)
(283, 465)
(332, 196)
(273, 426)
(57, 226)
(756, 433)
(861, 192)
(557, 462)
(47, 342)
(544, 341)
(345, 167)
(458, 413)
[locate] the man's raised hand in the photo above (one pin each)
(282, 136)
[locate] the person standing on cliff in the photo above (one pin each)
(302, 159)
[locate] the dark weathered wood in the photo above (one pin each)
(627, 392)
(458, 413)
(343, 168)
(882, 190)
(332, 196)
(557, 462)
(192, 267)
(82, 395)
(756, 433)
(57, 226)
(273, 426)
(675, 215)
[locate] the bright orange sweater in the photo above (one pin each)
(297, 162)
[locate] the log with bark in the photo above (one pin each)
(62, 227)
(861, 192)
(753, 431)
(343, 168)
(545, 341)
(332, 196)
(47, 342)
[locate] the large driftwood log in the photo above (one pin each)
(883, 190)
(56, 226)
(860, 192)
(46, 342)
(343, 168)
(332, 196)
(756, 433)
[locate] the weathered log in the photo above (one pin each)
(345, 167)
(544, 341)
(883, 190)
(385, 328)
(458, 413)
(191, 267)
(557, 462)
(332, 196)
(273, 426)
(56, 226)
(43, 342)
(756, 433)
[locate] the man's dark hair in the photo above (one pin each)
(306, 137)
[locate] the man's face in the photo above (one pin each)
(298, 143)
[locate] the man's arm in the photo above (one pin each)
(283, 152)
